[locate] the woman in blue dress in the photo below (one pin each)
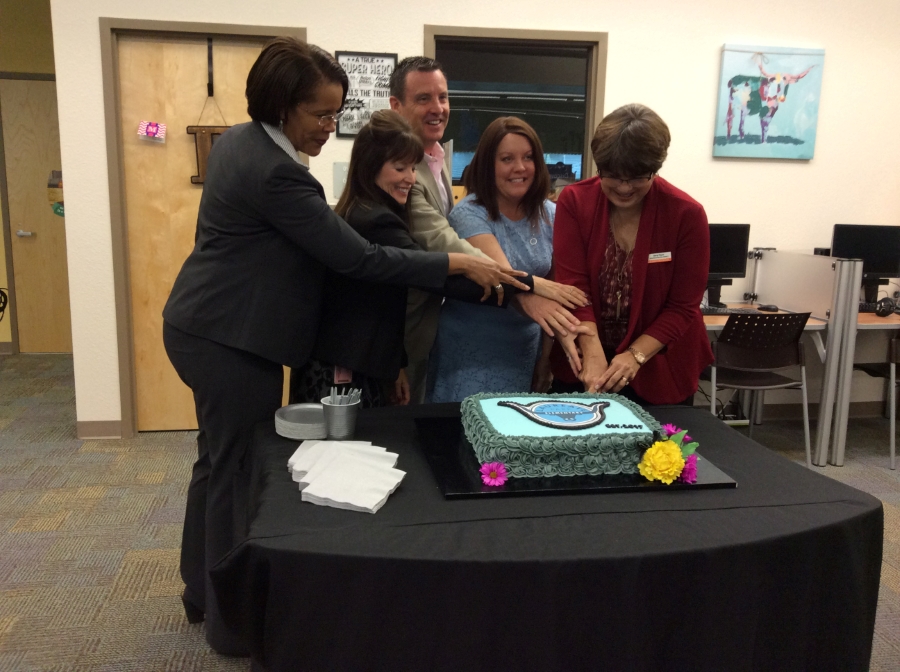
(507, 216)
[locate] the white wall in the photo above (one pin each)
(663, 54)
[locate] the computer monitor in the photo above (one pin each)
(877, 245)
(728, 248)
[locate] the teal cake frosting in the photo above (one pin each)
(537, 435)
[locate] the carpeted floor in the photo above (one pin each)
(90, 534)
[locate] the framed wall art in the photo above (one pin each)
(768, 102)
(369, 76)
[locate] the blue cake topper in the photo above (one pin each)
(561, 414)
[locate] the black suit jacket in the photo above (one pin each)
(363, 322)
(265, 236)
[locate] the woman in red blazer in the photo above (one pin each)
(640, 248)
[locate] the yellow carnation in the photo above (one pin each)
(662, 462)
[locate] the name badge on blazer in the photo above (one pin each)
(659, 257)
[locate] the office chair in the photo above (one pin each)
(887, 370)
(749, 351)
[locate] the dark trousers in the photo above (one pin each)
(233, 391)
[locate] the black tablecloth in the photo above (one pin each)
(781, 573)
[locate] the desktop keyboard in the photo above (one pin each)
(712, 310)
(867, 307)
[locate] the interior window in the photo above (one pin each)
(541, 81)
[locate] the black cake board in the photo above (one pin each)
(456, 470)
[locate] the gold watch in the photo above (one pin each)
(639, 356)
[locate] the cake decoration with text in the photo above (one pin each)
(561, 414)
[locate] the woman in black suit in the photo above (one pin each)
(360, 340)
(247, 299)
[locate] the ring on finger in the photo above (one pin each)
(625, 380)
(498, 287)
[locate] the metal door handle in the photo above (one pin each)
(24, 234)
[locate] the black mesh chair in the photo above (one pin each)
(887, 370)
(749, 351)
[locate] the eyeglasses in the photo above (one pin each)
(325, 119)
(630, 181)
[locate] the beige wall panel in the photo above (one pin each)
(31, 141)
(165, 81)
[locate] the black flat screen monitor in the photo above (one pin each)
(728, 248)
(877, 245)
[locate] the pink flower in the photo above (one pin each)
(670, 429)
(689, 473)
(493, 473)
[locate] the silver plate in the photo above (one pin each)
(300, 421)
(301, 413)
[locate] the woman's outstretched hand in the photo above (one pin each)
(565, 295)
(552, 317)
(487, 273)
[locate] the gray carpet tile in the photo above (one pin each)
(90, 535)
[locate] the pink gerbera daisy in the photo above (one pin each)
(493, 473)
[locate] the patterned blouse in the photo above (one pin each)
(615, 293)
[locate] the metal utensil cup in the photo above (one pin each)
(340, 419)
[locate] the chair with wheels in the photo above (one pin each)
(749, 352)
(888, 371)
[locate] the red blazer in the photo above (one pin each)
(665, 297)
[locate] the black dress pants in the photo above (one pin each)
(233, 391)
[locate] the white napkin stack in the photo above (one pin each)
(304, 447)
(352, 475)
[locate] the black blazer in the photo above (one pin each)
(363, 322)
(265, 236)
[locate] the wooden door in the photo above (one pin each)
(165, 80)
(38, 234)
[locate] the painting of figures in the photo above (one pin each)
(768, 102)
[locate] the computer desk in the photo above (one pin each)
(870, 326)
(867, 321)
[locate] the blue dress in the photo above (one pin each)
(482, 350)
